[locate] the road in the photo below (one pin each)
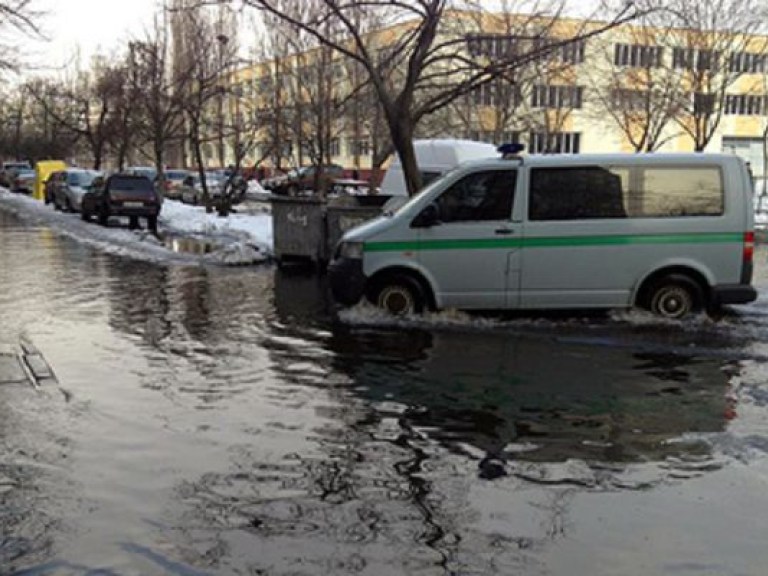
(209, 420)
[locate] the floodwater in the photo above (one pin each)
(227, 421)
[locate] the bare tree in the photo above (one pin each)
(85, 105)
(713, 46)
(159, 92)
(635, 85)
(17, 17)
(427, 42)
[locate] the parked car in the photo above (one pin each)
(173, 182)
(148, 171)
(302, 179)
(9, 170)
(128, 195)
(66, 188)
(23, 181)
(192, 188)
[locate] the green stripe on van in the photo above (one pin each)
(553, 241)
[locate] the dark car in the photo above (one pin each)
(128, 195)
(303, 179)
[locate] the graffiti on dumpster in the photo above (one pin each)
(296, 217)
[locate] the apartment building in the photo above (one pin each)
(631, 88)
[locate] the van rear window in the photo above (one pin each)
(597, 192)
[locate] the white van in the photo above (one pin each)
(671, 233)
(434, 158)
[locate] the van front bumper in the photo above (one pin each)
(347, 280)
(733, 294)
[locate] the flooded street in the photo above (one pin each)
(213, 420)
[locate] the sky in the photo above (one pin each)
(91, 25)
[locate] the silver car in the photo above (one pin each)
(192, 188)
(68, 187)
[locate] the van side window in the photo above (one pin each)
(681, 191)
(590, 192)
(580, 192)
(480, 196)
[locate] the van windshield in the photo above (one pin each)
(397, 204)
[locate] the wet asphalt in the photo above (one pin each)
(161, 418)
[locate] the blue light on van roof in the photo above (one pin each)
(510, 149)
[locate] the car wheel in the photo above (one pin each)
(56, 205)
(152, 223)
(68, 205)
(85, 216)
(674, 297)
(104, 217)
(399, 296)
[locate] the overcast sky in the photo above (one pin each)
(102, 26)
(91, 24)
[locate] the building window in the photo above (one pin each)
(334, 147)
(497, 94)
(690, 58)
(573, 52)
(545, 96)
(746, 104)
(495, 45)
(359, 146)
(747, 62)
(505, 137)
(703, 104)
(554, 142)
(637, 55)
(626, 99)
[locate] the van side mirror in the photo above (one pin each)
(428, 217)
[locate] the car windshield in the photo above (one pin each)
(26, 172)
(82, 179)
(176, 174)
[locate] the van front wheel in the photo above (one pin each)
(674, 297)
(399, 296)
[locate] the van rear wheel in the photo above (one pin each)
(399, 296)
(674, 297)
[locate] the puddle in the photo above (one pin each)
(190, 245)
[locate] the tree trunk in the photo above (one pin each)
(402, 140)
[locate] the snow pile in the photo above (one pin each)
(241, 238)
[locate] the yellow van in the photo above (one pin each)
(43, 170)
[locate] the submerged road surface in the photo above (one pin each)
(202, 421)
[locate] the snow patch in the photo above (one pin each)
(240, 238)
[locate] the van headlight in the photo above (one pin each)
(350, 250)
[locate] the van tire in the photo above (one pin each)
(399, 296)
(674, 297)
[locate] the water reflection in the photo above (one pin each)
(536, 398)
(413, 422)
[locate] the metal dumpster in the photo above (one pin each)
(339, 219)
(308, 228)
(298, 228)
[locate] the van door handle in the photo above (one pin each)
(503, 230)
